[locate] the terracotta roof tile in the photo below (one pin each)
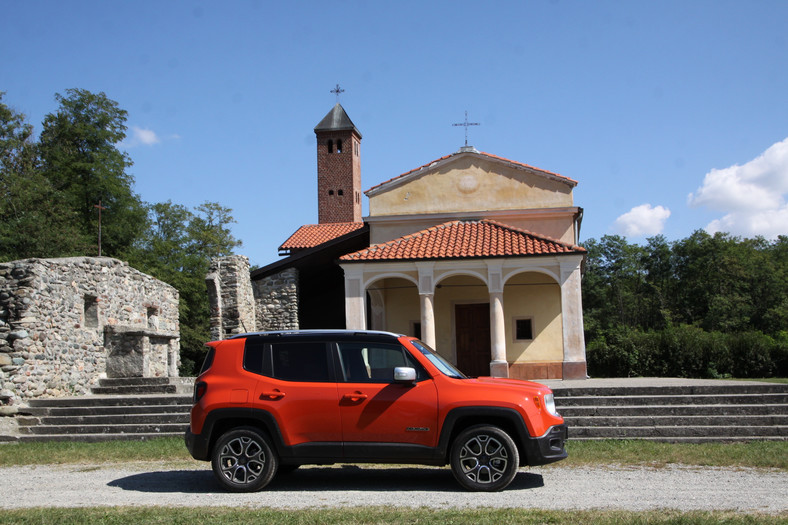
(462, 240)
(569, 181)
(311, 235)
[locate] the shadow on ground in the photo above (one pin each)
(348, 477)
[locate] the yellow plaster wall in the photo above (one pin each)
(472, 183)
(401, 300)
(560, 228)
(536, 296)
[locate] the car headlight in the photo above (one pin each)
(549, 404)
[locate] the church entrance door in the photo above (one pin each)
(472, 332)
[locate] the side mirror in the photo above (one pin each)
(404, 374)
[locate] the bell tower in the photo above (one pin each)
(338, 168)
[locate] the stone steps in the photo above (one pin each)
(677, 414)
(693, 413)
(124, 409)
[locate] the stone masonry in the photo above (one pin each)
(65, 323)
(239, 305)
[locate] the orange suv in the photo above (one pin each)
(268, 402)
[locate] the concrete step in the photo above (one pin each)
(672, 410)
(674, 399)
(679, 421)
(728, 388)
(95, 438)
(669, 433)
(117, 419)
(134, 389)
(105, 401)
(76, 431)
(108, 410)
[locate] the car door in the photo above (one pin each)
(375, 409)
(298, 387)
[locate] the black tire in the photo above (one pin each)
(243, 460)
(484, 458)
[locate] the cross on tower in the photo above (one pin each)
(465, 125)
(337, 90)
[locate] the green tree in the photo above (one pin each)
(34, 221)
(80, 157)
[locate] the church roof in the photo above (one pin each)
(417, 171)
(336, 120)
(464, 240)
(311, 235)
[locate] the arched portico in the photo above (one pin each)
(544, 290)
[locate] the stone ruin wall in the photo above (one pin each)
(240, 305)
(54, 314)
(276, 298)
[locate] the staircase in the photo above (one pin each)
(703, 411)
(691, 413)
(118, 409)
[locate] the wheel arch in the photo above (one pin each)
(507, 419)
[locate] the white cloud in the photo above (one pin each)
(642, 220)
(146, 137)
(752, 196)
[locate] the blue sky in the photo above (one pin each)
(672, 115)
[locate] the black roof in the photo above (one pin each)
(336, 120)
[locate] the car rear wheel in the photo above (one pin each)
(484, 458)
(243, 460)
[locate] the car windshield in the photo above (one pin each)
(436, 359)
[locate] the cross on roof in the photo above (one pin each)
(337, 90)
(465, 125)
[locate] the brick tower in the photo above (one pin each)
(338, 168)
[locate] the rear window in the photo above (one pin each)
(208, 361)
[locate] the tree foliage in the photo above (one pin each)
(79, 156)
(692, 307)
(34, 221)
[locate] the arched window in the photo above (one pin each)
(339, 145)
(330, 146)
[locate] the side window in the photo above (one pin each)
(374, 362)
(300, 362)
(253, 356)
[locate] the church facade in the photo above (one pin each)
(475, 254)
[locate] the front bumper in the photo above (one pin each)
(547, 448)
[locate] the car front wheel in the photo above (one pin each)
(243, 460)
(484, 458)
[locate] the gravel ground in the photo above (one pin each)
(626, 488)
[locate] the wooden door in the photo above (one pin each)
(472, 326)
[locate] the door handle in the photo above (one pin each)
(276, 394)
(355, 396)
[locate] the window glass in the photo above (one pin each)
(374, 362)
(438, 360)
(253, 356)
(300, 362)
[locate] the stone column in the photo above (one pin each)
(355, 304)
(499, 366)
(427, 302)
(572, 315)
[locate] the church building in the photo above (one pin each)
(475, 254)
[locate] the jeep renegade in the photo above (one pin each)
(276, 400)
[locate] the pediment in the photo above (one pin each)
(470, 181)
